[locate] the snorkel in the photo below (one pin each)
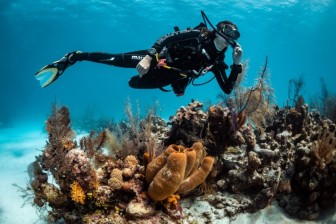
(231, 41)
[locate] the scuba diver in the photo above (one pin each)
(175, 59)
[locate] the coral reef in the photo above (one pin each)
(214, 156)
(187, 126)
(89, 185)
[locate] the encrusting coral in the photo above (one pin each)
(239, 167)
(53, 195)
(116, 180)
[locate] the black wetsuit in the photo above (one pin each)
(188, 52)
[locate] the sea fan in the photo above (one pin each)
(256, 102)
(324, 148)
(60, 139)
(58, 125)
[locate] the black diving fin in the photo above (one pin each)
(50, 73)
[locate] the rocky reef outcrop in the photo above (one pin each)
(215, 156)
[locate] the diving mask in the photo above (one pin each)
(229, 31)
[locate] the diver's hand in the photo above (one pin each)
(237, 53)
(144, 65)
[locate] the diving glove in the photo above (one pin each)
(237, 53)
(144, 65)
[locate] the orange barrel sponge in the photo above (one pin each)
(200, 153)
(156, 164)
(197, 177)
(191, 158)
(169, 178)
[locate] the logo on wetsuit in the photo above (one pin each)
(137, 57)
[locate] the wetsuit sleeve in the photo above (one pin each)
(226, 83)
(179, 36)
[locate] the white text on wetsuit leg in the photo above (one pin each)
(136, 57)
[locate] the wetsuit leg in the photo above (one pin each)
(155, 78)
(125, 60)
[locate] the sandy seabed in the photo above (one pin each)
(18, 148)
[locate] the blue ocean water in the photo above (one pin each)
(298, 36)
